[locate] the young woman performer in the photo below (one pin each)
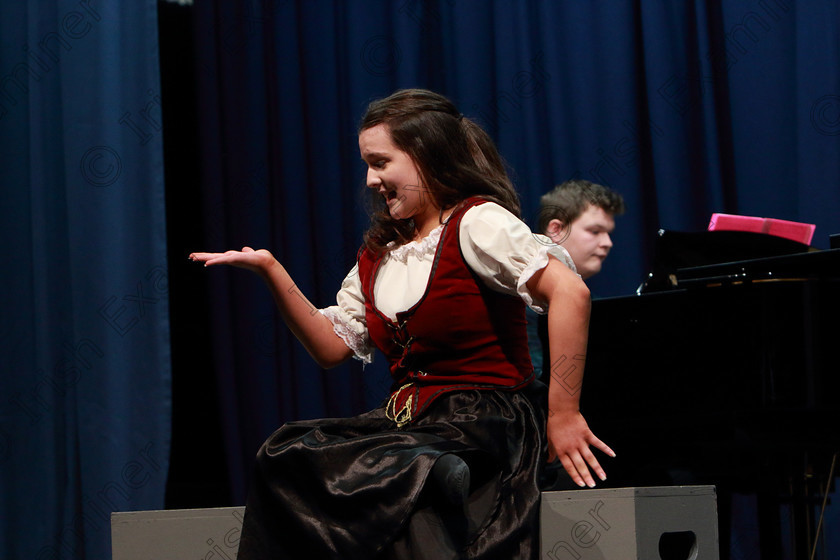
(448, 466)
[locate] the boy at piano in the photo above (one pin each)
(580, 216)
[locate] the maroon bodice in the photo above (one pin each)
(459, 335)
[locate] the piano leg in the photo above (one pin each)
(788, 509)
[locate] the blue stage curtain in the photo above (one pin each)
(84, 339)
(685, 108)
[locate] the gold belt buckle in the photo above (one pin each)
(402, 416)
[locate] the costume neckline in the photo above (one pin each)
(431, 243)
(418, 248)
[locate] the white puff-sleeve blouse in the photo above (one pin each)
(497, 246)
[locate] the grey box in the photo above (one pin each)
(183, 534)
(646, 523)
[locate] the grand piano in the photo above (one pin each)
(723, 369)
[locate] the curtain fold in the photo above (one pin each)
(84, 339)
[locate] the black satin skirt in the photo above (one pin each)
(359, 488)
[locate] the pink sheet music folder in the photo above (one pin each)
(795, 231)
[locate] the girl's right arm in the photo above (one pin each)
(312, 328)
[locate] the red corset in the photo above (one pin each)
(460, 335)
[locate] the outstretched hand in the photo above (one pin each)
(569, 440)
(314, 330)
(257, 261)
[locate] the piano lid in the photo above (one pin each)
(813, 265)
(681, 257)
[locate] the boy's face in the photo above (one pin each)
(588, 241)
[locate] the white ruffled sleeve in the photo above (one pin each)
(348, 317)
(505, 253)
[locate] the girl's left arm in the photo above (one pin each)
(569, 436)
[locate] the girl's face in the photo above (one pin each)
(394, 175)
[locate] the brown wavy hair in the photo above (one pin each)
(566, 202)
(455, 157)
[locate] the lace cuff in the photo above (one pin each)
(537, 263)
(351, 332)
